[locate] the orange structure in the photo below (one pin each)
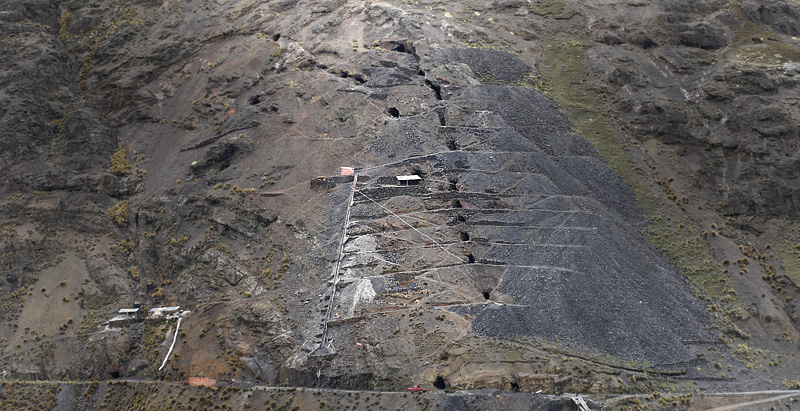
(198, 381)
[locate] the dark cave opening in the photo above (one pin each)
(470, 258)
(358, 77)
(452, 185)
(439, 383)
(402, 46)
(393, 111)
(464, 236)
(486, 295)
(437, 90)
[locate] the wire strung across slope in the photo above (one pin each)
(408, 224)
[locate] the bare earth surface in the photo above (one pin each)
(605, 201)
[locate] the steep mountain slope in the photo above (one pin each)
(605, 190)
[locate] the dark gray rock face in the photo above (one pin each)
(488, 65)
(703, 35)
(730, 113)
(47, 132)
(781, 15)
(555, 229)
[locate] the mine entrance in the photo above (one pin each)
(452, 185)
(439, 383)
(486, 295)
(437, 89)
(464, 236)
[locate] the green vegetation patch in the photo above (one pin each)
(89, 324)
(153, 334)
(119, 162)
(119, 213)
(15, 395)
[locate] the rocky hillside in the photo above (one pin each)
(603, 195)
